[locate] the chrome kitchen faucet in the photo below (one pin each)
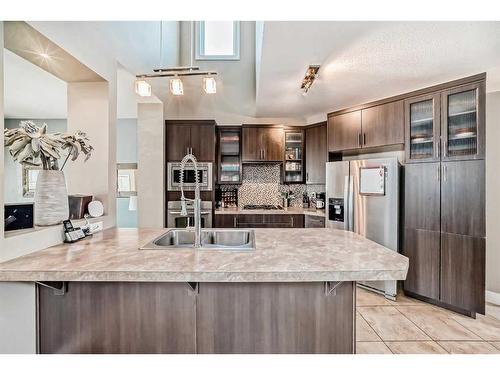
(196, 201)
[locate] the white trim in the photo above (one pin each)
(493, 297)
(236, 44)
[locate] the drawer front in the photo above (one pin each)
(314, 221)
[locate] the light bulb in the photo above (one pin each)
(142, 88)
(176, 86)
(209, 85)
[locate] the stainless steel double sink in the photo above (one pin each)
(211, 239)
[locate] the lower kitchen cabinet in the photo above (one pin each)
(314, 221)
(118, 317)
(463, 272)
(422, 247)
(259, 221)
(274, 318)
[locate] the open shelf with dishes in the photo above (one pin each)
(229, 144)
(293, 165)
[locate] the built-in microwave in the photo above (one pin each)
(204, 175)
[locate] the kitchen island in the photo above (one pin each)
(294, 293)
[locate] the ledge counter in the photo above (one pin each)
(295, 293)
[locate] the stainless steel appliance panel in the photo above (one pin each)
(205, 174)
(337, 188)
(176, 220)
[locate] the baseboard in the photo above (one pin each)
(493, 297)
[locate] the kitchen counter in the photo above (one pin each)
(281, 255)
(288, 211)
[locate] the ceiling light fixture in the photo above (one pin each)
(176, 86)
(209, 85)
(311, 75)
(44, 55)
(142, 88)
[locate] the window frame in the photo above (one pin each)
(200, 41)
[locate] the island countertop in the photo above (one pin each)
(281, 255)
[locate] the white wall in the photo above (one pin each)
(150, 170)
(492, 196)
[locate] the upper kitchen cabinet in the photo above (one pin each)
(190, 136)
(229, 155)
(422, 124)
(262, 143)
(316, 153)
(294, 156)
(344, 131)
(383, 125)
(463, 112)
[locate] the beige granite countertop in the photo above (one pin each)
(280, 255)
(289, 210)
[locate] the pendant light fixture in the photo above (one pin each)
(142, 88)
(209, 85)
(176, 86)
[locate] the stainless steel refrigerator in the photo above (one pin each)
(363, 197)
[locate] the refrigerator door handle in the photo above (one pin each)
(350, 203)
(346, 203)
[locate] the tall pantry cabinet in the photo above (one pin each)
(444, 203)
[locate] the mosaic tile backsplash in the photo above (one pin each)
(261, 185)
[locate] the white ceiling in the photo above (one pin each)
(363, 61)
(30, 92)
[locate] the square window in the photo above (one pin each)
(217, 40)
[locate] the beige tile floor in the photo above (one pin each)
(409, 326)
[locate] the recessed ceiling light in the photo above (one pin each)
(176, 86)
(311, 74)
(142, 88)
(209, 85)
(44, 55)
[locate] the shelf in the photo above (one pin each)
(468, 135)
(422, 120)
(418, 141)
(461, 113)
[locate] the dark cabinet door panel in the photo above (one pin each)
(225, 221)
(383, 125)
(314, 221)
(463, 272)
(316, 154)
(344, 131)
(99, 317)
(252, 144)
(463, 198)
(250, 221)
(203, 142)
(178, 140)
(284, 221)
(422, 196)
(273, 143)
(274, 318)
(422, 247)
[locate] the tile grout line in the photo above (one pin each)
(404, 316)
(432, 307)
(381, 340)
(474, 333)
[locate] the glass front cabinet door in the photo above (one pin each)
(422, 118)
(463, 122)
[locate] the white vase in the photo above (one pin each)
(51, 198)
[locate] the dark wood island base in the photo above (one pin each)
(178, 317)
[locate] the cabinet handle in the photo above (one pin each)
(292, 222)
(235, 222)
(364, 139)
(359, 139)
(444, 173)
(263, 153)
(307, 176)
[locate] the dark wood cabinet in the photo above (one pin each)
(344, 131)
(298, 318)
(383, 125)
(463, 122)
(196, 136)
(259, 221)
(463, 272)
(316, 154)
(444, 220)
(118, 317)
(422, 247)
(422, 196)
(262, 143)
(314, 221)
(463, 198)
(423, 128)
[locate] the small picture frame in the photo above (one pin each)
(372, 180)
(30, 175)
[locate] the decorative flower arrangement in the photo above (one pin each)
(32, 145)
